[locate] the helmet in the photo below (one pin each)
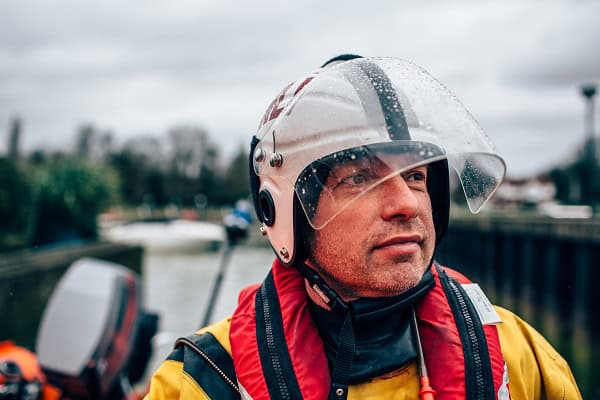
(377, 116)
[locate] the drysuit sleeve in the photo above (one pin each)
(174, 381)
(170, 382)
(535, 369)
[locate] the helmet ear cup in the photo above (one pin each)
(266, 207)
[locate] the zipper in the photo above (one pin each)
(272, 348)
(202, 354)
(473, 341)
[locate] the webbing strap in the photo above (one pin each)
(343, 361)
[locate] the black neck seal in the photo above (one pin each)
(382, 332)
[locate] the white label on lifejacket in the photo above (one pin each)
(485, 309)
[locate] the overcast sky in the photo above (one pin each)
(142, 67)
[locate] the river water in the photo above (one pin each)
(177, 287)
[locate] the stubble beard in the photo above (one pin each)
(401, 274)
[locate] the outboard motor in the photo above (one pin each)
(94, 338)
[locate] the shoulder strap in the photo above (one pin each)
(209, 364)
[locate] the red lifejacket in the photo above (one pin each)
(287, 334)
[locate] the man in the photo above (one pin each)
(349, 176)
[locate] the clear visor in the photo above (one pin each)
(330, 185)
(377, 115)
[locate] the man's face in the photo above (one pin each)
(382, 243)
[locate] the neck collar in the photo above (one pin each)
(382, 331)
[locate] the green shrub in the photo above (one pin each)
(15, 205)
(69, 195)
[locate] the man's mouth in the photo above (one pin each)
(399, 245)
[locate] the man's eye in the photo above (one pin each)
(355, 179)
(416, 176)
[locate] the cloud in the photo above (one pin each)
(143, 66)
(560, 47)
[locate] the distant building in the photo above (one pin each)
(539, 194)
(525, 192)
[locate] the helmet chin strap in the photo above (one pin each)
(329, 296)
(340, 374)
(325, 292)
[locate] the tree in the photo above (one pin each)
(131, 172)
(189, 145)
(236, 183)
(92, 143)
(135, 162)
(14, 139)
(69, 195)
(579, 181)
(83, 142)
(15, 204)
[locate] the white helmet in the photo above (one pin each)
(354, 113)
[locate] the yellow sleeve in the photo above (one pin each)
(220, 330)
(171, 382)
(535, 369)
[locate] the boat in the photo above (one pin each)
(177, 235)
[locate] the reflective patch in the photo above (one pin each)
(503, 393)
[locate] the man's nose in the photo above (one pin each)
(399, 201)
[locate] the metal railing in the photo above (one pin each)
(545, 271)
